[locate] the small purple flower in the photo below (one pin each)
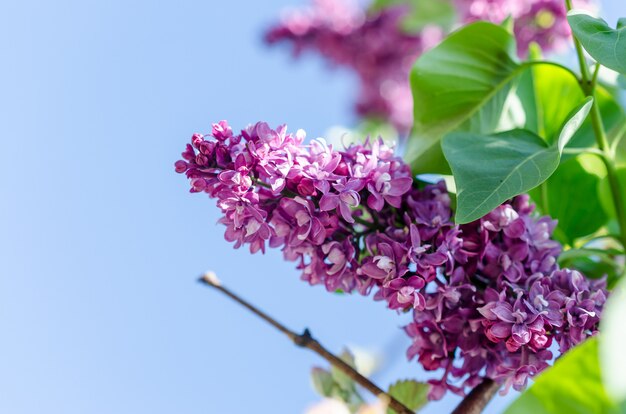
(388, 259)
(320, 165)
(513, 323)
(338, 255)
(345, 199)
(385, 188)
(302, 224)
(222, 131)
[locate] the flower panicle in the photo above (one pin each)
(488, 297)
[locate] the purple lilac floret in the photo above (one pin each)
(488, 298)
(374, 45)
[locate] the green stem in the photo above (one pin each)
(371, 227)
(578, 151)
(594, 79)
(588, 83)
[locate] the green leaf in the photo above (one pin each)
(574, 121)
(571, 197)
(527, 96)
(612, 355)
(572, 386)
(411, 393)
(605, 44)
(548, 93)
(462, 84)
(556, 93)
(593, 263)
(422, 13)
(595, 268)
(336, 384)
(428, 12)
(508, 24)
(323, 382)
(341, 378)
(489, 170)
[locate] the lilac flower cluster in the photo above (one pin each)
(488, 298)
(541, 21)
(371, 44)
(503, 305)
(381, 54)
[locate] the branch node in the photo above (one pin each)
(303, 339)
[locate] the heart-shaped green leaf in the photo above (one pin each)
(461, 84)
(490, 169)
(323, 382)
(605, 44)
(593, 263)
(573, 386)
(411, 393)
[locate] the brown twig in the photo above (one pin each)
(477, 399)
(305, 340)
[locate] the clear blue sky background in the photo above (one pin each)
(100, 242)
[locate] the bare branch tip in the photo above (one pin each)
(210, 278)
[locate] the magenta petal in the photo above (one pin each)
(375, 201)
(323, 186)
(434, 259)
(399, 186)
(346, 213)
(395, 201)
(521, 333)
(516, 229)
(487, 311)
(373, 271)
(354, 185)
(518, 251)
(329, 202)
(263, 130)
(504, 312)
(500, 330)
(351, 198)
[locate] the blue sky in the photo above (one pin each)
(101, 242)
